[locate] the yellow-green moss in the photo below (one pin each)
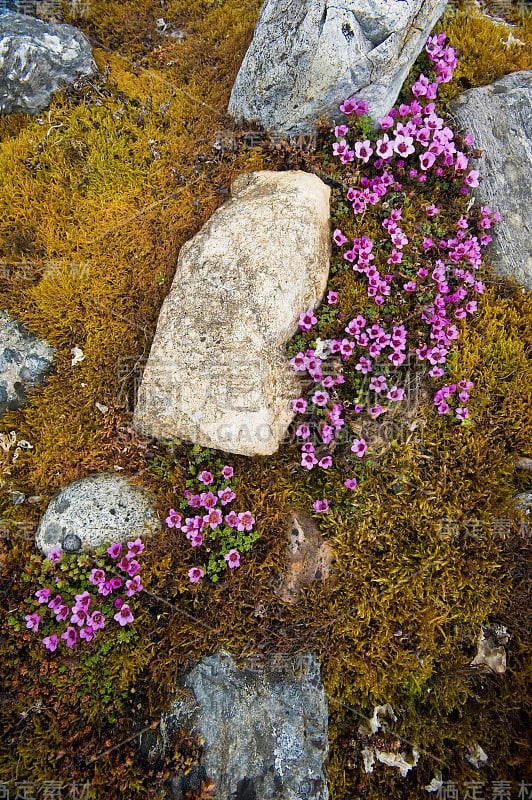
(484, 48)
(106, 190)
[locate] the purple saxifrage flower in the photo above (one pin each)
(42, 595)
(232, 558)
(32, 621)
(116, 548)
(135, 548)
(55, 555)
(124, 615)
(195, 574)
(70, 636)
(51, 642)
(359, 447)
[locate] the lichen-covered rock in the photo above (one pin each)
(524, 502)
(24, 359)
(217, 374)
(500, 118)
(92, 511)
(386, 752)
(309, 558)
(491, 652)
(36, 58)
(307, 56)
(264, 728)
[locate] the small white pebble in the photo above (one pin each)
(78, 355)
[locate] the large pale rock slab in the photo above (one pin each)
(217, 374)
(500, 118)
(264, 727)
(100, 508)
(24, 360)
(36, 58)
(307, 56)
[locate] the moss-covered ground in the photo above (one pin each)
(97, 195)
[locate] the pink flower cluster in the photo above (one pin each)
(487, 217)
(444, 395)
(447, 274)
(194, 527)
(341, 148)
(89, 622)
(425, 130)
(443, 58)
(352, 105)
(372, 188)
(424, 135)
(375, 339)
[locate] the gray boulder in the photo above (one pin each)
(36, 58)
(92, 511)
(217, 373)
(500, 118)
(264, 727)
(307, 56)
(24, 359)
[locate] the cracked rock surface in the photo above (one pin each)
(307, 56)
(36, 58)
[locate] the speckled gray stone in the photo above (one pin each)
(524, 503)
(500, 118)
(24, 359)
(95, 510)
(71, 543)
(36, 58)
(264, 727)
